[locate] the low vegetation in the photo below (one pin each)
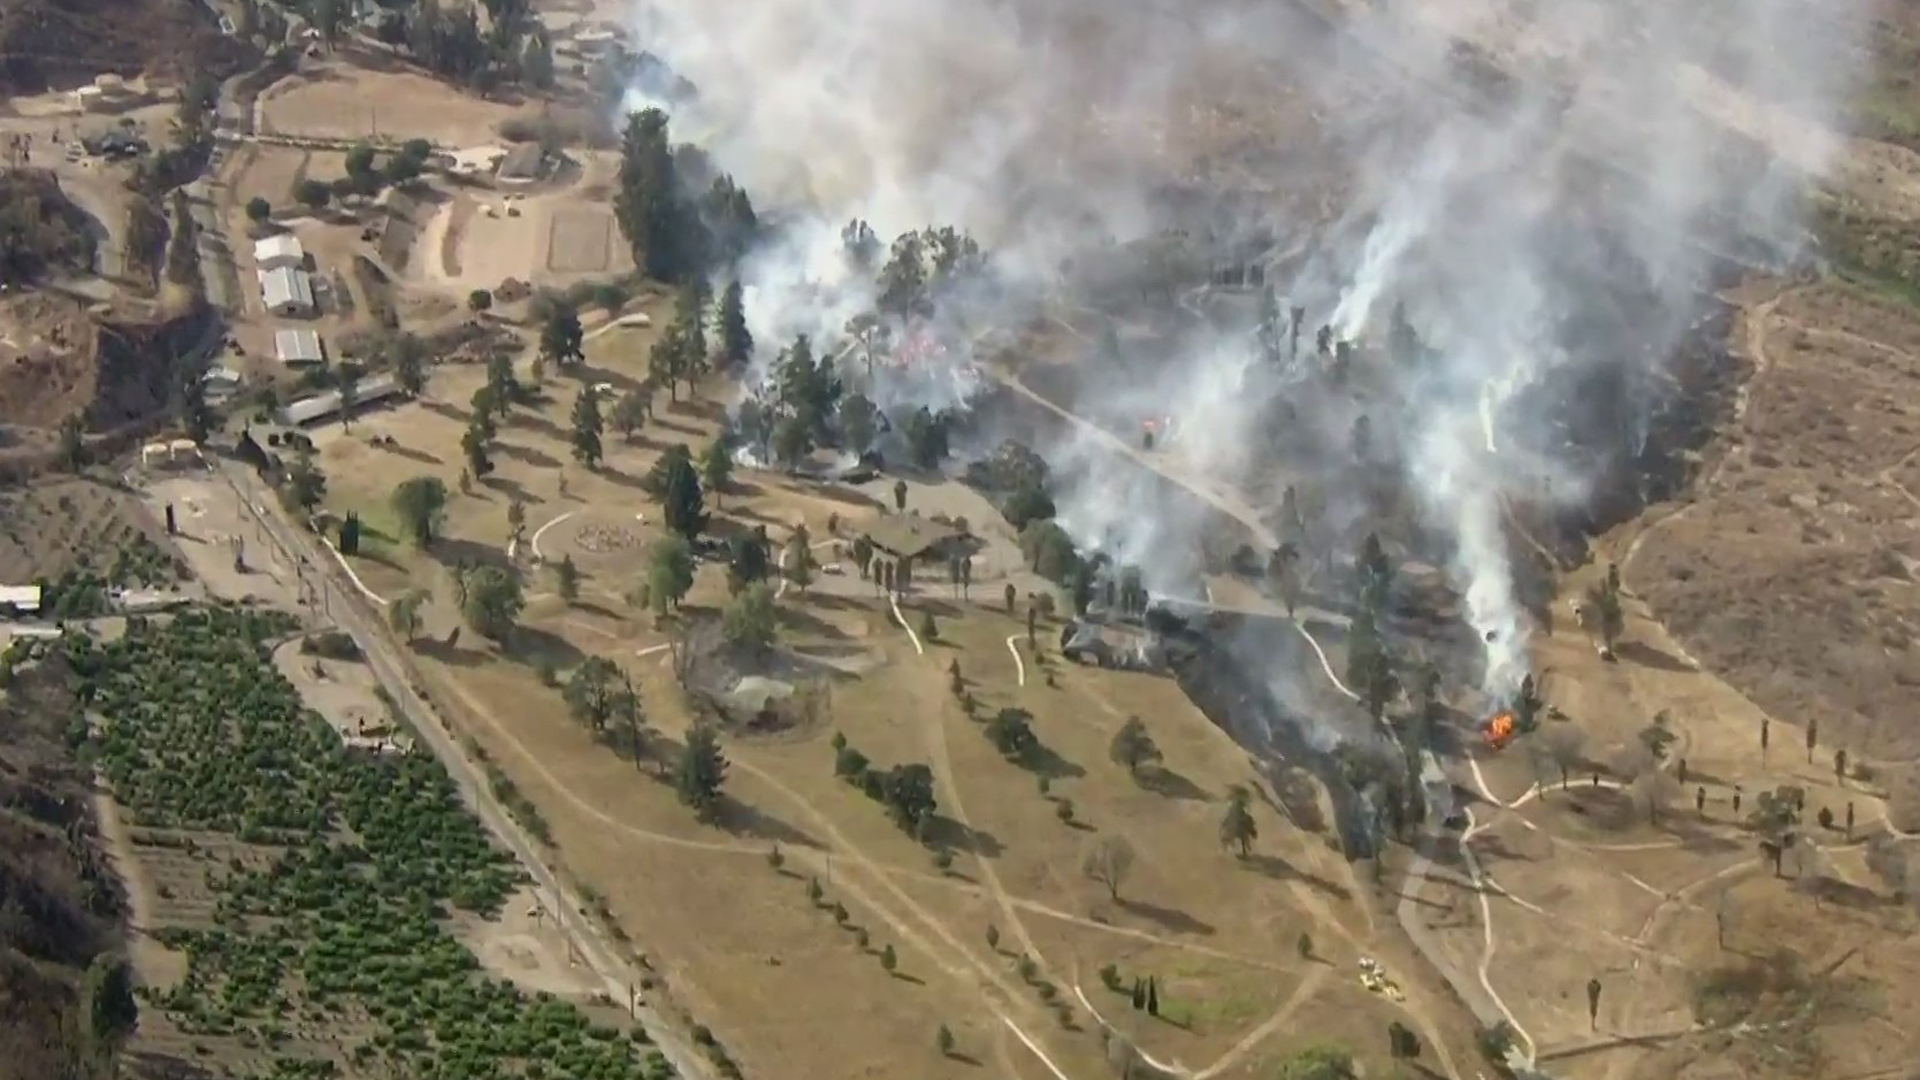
(40, 232)
(83, 592)
(355, 863)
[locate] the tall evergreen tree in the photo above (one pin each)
(561, 339)
(667, 360)
(690, 319)
(903, 281)
(736, 344)
(681, 498)
(730, 220)
(716, 468)
(587, 427)
(1237, 827)
(703, 771)
(648, 206)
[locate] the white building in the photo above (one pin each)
(278, 250)
(287, 291)
(298, 347)
(19, 599)
(322, 405)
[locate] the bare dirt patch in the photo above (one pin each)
(525, 945)
(581, 240)
(338, 101)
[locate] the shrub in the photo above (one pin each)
(1110, 976)
(330, 645)
(1494, 1041)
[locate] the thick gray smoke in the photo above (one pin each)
(1393, 165)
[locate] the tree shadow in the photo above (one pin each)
(635, 480)
(532, 645)
(1492, 846)
(377, 552)
(512, 489)
(1170, 783)
(526, 455)
(905, 977)
(964, 1059)
(739, 819)
(619, 380)
(451, 654)
(1279, 869)
(831, 601)
(1703, 778)
(592, 607)
(1639, 652)
(1045, 761)
(451, 551)
(941, 831)
(794, 620)
(1183, 1025)
(1705, 842)
(418, 456)
(529, 419)
(446, 409)
(703, 408)
(834, 491)
(743, 489)
(1172, 919)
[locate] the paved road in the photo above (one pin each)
(343, 604)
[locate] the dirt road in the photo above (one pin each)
(344, 604)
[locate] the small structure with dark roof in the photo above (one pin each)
(907, 540)
(523, 164)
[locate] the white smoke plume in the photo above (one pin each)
(1385, 160)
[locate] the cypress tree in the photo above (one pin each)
(649, 206)
(703, 770)
(736, 344)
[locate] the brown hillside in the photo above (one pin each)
(59, 901)
(59, 44)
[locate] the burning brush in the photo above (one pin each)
(1499, 729)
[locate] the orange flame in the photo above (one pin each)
(1500, 729)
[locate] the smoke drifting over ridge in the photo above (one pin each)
(1493, 210)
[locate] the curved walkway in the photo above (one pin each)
(534, 541)
(893, 602)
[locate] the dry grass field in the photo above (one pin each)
(336, 100)
(737, 940)
(1791, 572)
